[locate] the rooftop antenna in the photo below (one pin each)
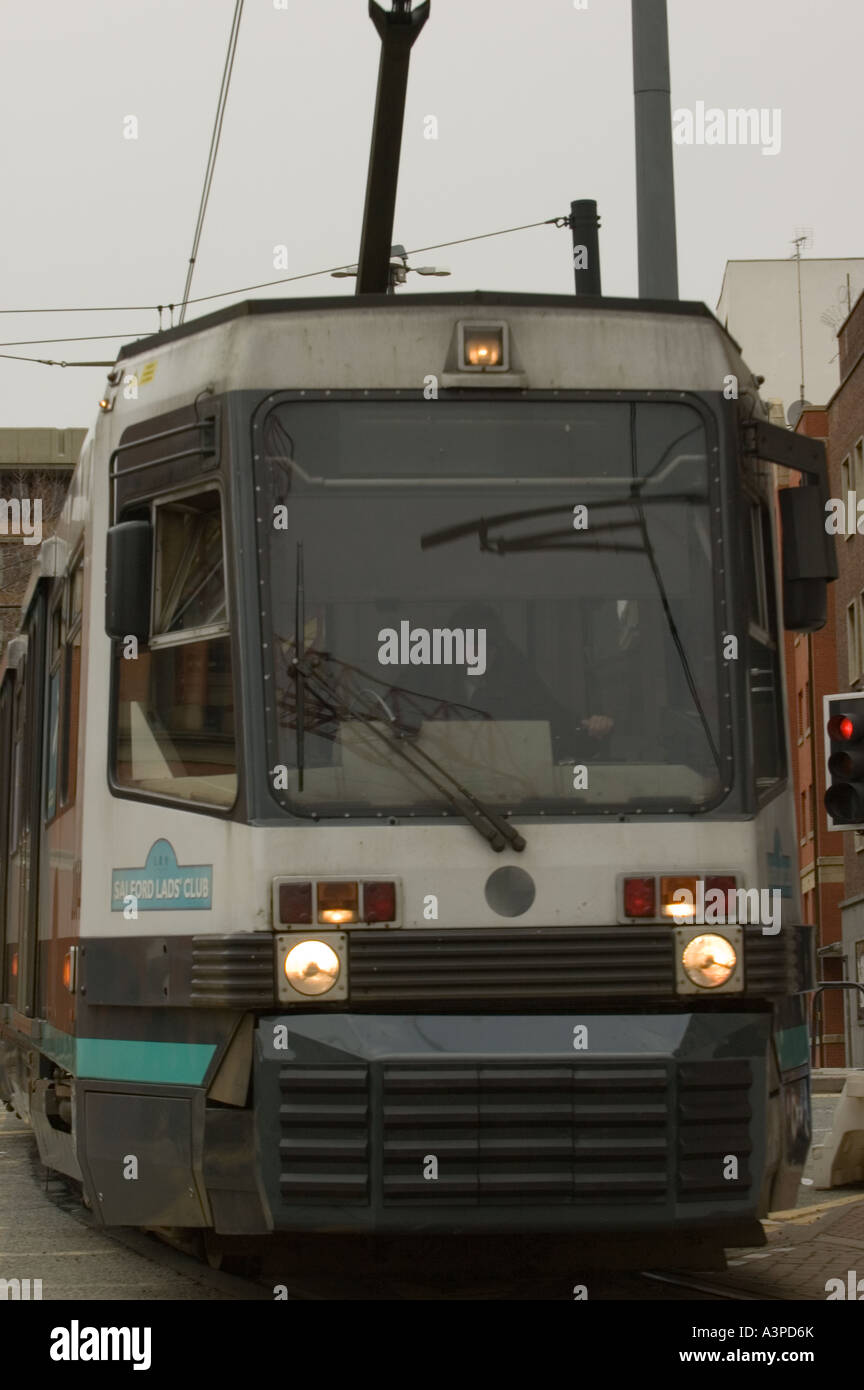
(655, 184)
(398, 28)
(803, 237)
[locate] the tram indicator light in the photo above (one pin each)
(337, 903)
(379, 902)
(725, 884)
(669, 886)
(652, 897)
(844, 760)
(295, 904)
(640, 897)
(359, 902)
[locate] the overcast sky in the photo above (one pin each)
(534, 107)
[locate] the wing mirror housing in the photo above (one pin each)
(127, 580)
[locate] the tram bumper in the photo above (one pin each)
(553, 1123)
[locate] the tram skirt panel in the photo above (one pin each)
(485, 1123)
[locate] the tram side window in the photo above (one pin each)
(175, 703)
(18, 828)
(763, 658)
(71, 694)
(5, 809)
(55, 662)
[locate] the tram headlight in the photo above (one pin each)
(709, 960)
(483, 347)
(312, 967)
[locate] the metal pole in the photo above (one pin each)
(398, 29)
(655, 187)
(584, 224)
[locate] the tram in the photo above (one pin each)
(342, 873)
(403, 671)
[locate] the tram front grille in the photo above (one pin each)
(496, 1133)
(714, 1129)
(324, 1133)
(507, 1133)
(461, 965)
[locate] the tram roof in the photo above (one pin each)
(251, 308)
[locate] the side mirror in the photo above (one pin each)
(809, 561)
(127, 580)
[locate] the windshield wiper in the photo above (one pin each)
(479, 526)
(487, 822)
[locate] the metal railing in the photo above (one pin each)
(817, 1013)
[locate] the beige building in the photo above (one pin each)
(759, 305)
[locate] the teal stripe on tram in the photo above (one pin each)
(120, 1059)
(793, 1047)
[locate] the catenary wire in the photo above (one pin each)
(224, 294)
(91, 338)
(266, 284)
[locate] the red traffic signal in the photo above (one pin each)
(844, 754)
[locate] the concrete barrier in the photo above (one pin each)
(840, 1160)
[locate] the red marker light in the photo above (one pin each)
(639, 897)
(726, 883)
(295, 904)
(379, 902)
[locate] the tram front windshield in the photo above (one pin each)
(517, 593)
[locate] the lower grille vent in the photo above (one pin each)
(714, 1116)
(324, 1133)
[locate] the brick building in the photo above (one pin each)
(811, 672)
(35, 468)
(846, 473)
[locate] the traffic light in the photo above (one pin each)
(844, 751)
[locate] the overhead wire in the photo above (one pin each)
(223, 294)
(266, 284)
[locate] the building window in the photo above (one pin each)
(800, 715)
(846, 489)
(858, 468)
(802, 829)
(852, 644)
